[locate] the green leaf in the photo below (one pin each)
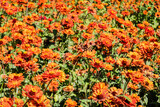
(158, 101)
(146, 99)
(155, 24)
(124, 97)
(55, 32)
(56, 97)
(21, 50)
(11, 66)
(52, 46)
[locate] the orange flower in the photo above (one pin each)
(99, 5)
(35, 16)
(106, 42)
(31, 66)
(6, 102)
(124, 39)
(125, 13)
(87, 35)
(136, 98)
(75, 39)
(64, 10)
(147, 84)
(92, 25)
(55, 26)
(41, 102)
(100, 95)
(67, 23)
(103, 25)
(109, 59)
(16, 36)
(52, 73)
(139, 63)
(89, 54)
(135, 40)
(145, 12)
(31, 5)
(52, 65)
(62, 76)
(28, 19)
(157, 14)
(68, 31)
(112, 13)
(32, 92)
(47, 11)
(47, 54)
(98, 1)
(35, 40)
(132, 86)
(96, 63)
(73, 16)
(56, 56)
(99, 85)
(81, 27)
(11, 10)
(91, 10)
(120, 20)
(158, 60)
(123, 62)
(149, 31)
(53, 86)
(46, 23)
(137, 77)
(141, 26)
(18, 61)
(59, 5)
(146, 23)
(7, 38)
(3, 29)
(81, 72)
(14, 80)
(42, 1)
(125, 102)
(69, 56)
(122, 50)
(147, 68)
(134, 55)
(128, 23)
(107, 67)
(19, 102)
(153, 39)
(114, 91)
(2, 42)
(34, 50)
(70, 103)
(155, 76)
(68, 88)
(42, 78)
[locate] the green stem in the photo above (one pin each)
(2, 86)
(125, 88)
(25, 102)
(47, 86)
